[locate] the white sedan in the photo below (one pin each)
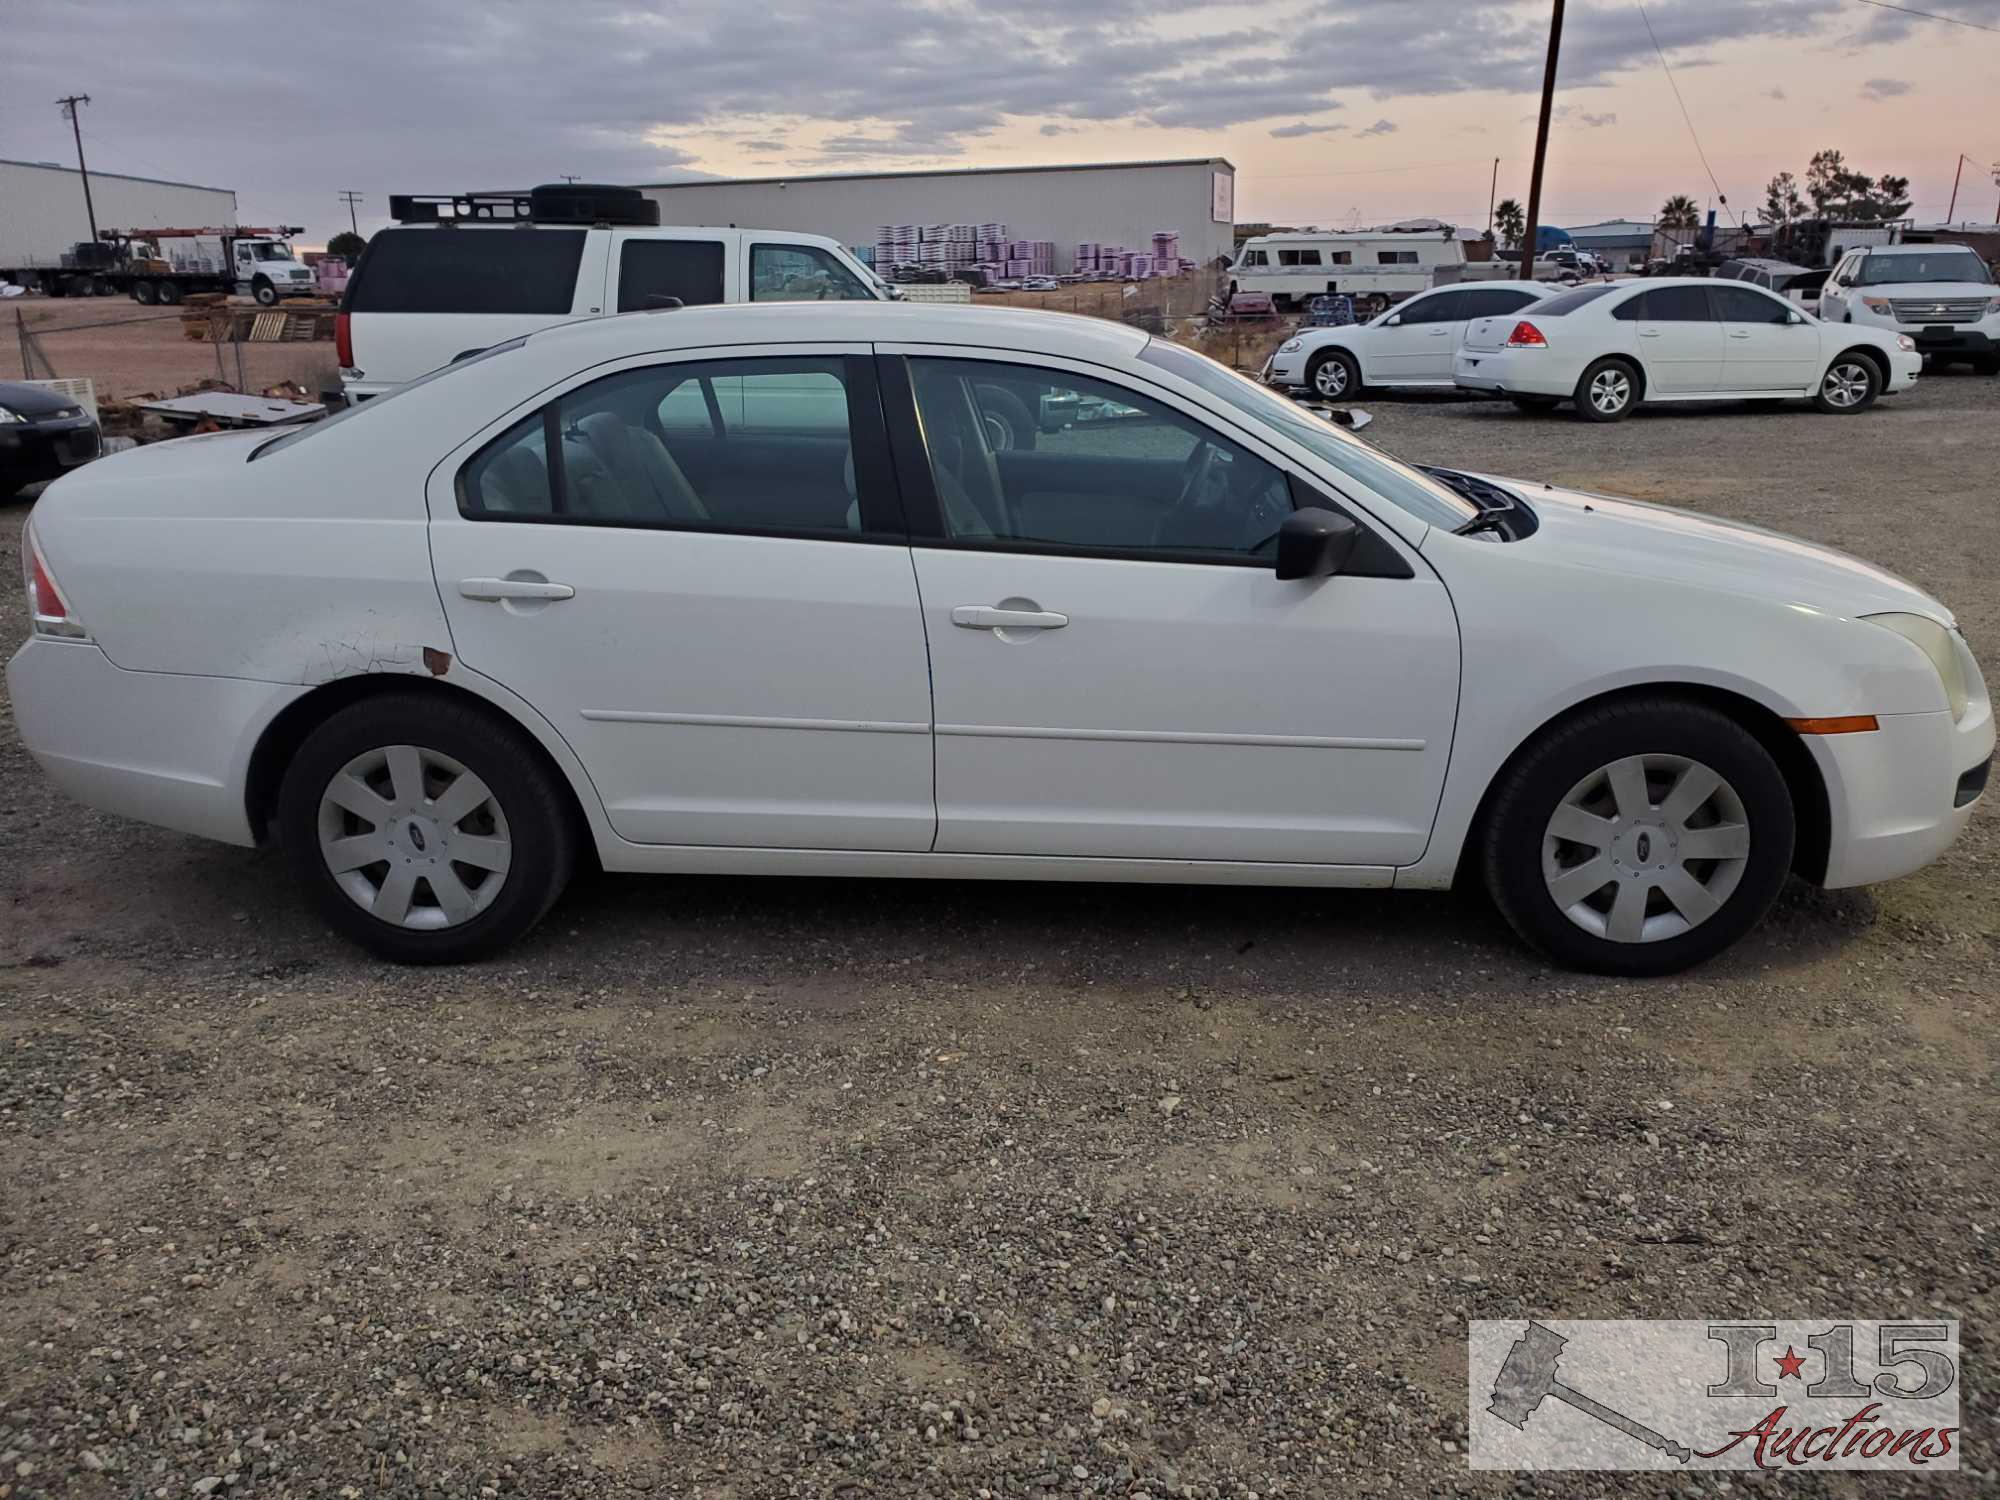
(1611, 348)
(1411, 345)
(747, 589)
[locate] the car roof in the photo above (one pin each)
(1062, 334)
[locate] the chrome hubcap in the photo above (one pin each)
(1646, 848)
(1610, 390)
(1331, 379)
(413, 837)
(1846, 385)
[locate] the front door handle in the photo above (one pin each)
(1739, 333)
(1440, 333)
(1649, 333)
(514, 588)
(986, 617)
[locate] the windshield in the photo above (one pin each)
(1946, 265)
(1390, 478)
(269, 251)
(361, 408)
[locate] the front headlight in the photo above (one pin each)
(1935, 642)
(1291, 346)
(8, 414)
(1878, 305)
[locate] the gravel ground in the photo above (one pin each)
(732, 1188)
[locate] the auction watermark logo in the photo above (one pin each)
(1835, 1393)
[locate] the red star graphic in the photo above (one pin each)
(1789, 1363)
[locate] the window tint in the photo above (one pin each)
(1739, 304)
(467, 271)
(1112, 471)
(1298, 257)
(652, 270)
(754, 445)
(1677, 304)
(1568, 302)
(1439, 307)
(802, 273)
(1395, 257)
(1493, 301)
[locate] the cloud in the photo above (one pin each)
(1573, 114)
(1380, 127)
(761, 145)
(1293, 132)
(1058, 130)
(1776, 91)
(1886, 25)
(1878, 89)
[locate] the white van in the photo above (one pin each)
(1385, 264)
(459, 274)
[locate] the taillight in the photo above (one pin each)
(343, 339)
(46, 609)
(1526, 336)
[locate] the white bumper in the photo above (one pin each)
(1895, 793)
(1512, 372)
(1286, 371)
(154, 746)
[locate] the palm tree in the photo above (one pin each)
(1511, 220)
(1679, 212)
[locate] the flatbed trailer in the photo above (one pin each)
(166, 265)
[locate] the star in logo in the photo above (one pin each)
(1789, 1364)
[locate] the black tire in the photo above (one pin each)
(263, 291)
(170, 293)
(1009, 425)
(1986, 365)
(540, 822)
(1535, 403)
(143, 293)
(1336, 367)
(1587, 398)
(1837, 393)
(1537, 782)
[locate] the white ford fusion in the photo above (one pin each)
(1613, 347)
(750, 590)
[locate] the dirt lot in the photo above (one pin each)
(738, 1188)
(131, 350)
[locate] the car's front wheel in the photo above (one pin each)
(426, 829)
(1640, 837)
(1851, 384)
(1333, 375)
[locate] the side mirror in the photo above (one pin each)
(1795, 317)
(1394, 320)
(1315, 543)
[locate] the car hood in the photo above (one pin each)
(33, 401)
(1642, 540)
(1927, 291)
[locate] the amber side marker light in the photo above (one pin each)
(1849, 724)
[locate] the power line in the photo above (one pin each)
(1931, 16)
(1692, 134)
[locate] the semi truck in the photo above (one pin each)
(163, 265)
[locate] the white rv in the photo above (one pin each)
(1385, 264)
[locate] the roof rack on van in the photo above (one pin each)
(552, 203)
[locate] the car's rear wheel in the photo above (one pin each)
(1333, 375)
(1851, 384)
(426, 829)
(1607, 392)
(1639, 838)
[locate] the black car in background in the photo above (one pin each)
(43, 434)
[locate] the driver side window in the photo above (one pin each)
(1042, 460)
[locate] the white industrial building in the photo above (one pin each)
(1111, 203)
(42, 209)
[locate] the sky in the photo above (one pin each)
(1334, 111)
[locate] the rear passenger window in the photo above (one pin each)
(457, 270)
(802, 273)
(1678, 304)
(740, 445)
(652, 271)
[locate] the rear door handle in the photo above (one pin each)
(1440, 333)
(514, 588)
(986, 617)
(1649, 333)
(1739, 333)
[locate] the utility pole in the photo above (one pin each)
(350, 198)
(1492, 191)
(1531, 233)
(1956, 173)
(69, 102)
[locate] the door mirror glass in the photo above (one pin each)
(1394, 320)
(1795, 317)
(1315, 543)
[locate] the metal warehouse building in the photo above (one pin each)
(1111, 203)
(42, 210)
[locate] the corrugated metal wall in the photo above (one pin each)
(1124, 204)
(42, 213)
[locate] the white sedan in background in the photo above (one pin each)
(1611, 348)
(1410, 345)
(591, 593)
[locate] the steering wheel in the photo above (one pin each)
(1197, 472)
